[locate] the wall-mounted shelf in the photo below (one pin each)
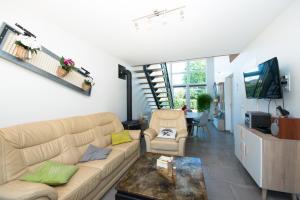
(44, 63)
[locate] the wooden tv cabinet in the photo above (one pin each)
(273, 163)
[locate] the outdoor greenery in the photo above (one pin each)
(195, 74)
(203, 102)
(194, 92)
(179, 99)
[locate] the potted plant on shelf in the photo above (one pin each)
(66, 65)
(26, 46)
(203, 102)
(88, 83)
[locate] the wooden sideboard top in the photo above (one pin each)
(266, 136)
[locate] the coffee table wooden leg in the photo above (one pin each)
(264, 193)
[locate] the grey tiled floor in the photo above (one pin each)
(225, 177)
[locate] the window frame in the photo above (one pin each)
(188, 85)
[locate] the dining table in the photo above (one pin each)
(193, 115)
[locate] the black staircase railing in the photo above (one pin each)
(167, 84)
(151, 85)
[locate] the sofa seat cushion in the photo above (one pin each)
(128, 148)
(164, 144)
(81, 184)
(108, 165)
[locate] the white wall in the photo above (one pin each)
(280, 39)
(222, 68)
(210, 79)
(26, 96)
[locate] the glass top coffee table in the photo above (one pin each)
(144, 181)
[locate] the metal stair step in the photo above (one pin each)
(154, 76)
(162, 105)
(155, 92)
(153, 70)
(143, 83)
(155, 87)
(159, 101)
(158, 96)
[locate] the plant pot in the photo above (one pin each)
(86, 87)
(21, 52)
(60, 72)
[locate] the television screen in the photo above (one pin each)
(264, 81)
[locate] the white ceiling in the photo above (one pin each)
(210, 27)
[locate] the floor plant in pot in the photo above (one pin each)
(88, 83)
(66, 65)
(203, 102)
(26, 46)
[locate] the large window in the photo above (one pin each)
(188, 79)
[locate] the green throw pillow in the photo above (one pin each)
(121, 137)
(51, 173)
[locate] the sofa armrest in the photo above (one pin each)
(22, 190)
(135, 134)
(151, 133)
(181, 134)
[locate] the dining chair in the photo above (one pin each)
(201, 122)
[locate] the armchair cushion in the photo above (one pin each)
(168, 133)
(151, 133)
(164, 144)
(21, 190)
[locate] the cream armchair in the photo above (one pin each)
(166, 119)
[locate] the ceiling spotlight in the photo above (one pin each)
(164, 19)
(136, 25)
(181, 13)
(148, 24)
(156, 14)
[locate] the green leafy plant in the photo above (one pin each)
(26, 47)
(89, 81)
(67, 64)
(203, 102)
(28, 43)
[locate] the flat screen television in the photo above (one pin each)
(263, 82)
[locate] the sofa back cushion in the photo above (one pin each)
(93, 129)
(25, 147)
(167, 119)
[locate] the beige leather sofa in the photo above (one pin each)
(166, 119)
(23, 148)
